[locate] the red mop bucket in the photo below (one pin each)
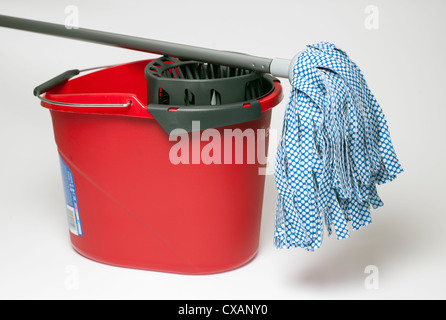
(135, 198)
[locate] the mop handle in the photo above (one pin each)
(278, 67)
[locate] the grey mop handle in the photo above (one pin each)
(181, 51)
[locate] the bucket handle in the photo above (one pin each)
(64, 77)
(169, 117)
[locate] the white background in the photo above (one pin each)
(403, 62)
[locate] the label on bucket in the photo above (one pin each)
(74, 220)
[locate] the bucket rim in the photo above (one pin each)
(85, 89)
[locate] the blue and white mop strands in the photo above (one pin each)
(335, 148)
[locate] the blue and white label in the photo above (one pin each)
(74, 220)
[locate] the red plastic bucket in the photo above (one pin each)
(128, 204)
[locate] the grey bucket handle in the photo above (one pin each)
(62, 78)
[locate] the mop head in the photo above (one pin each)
(335, 148)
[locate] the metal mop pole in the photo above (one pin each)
(278, 67)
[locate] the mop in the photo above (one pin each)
(335, 148)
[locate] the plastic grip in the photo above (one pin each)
(50, 84)
(182, 117)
